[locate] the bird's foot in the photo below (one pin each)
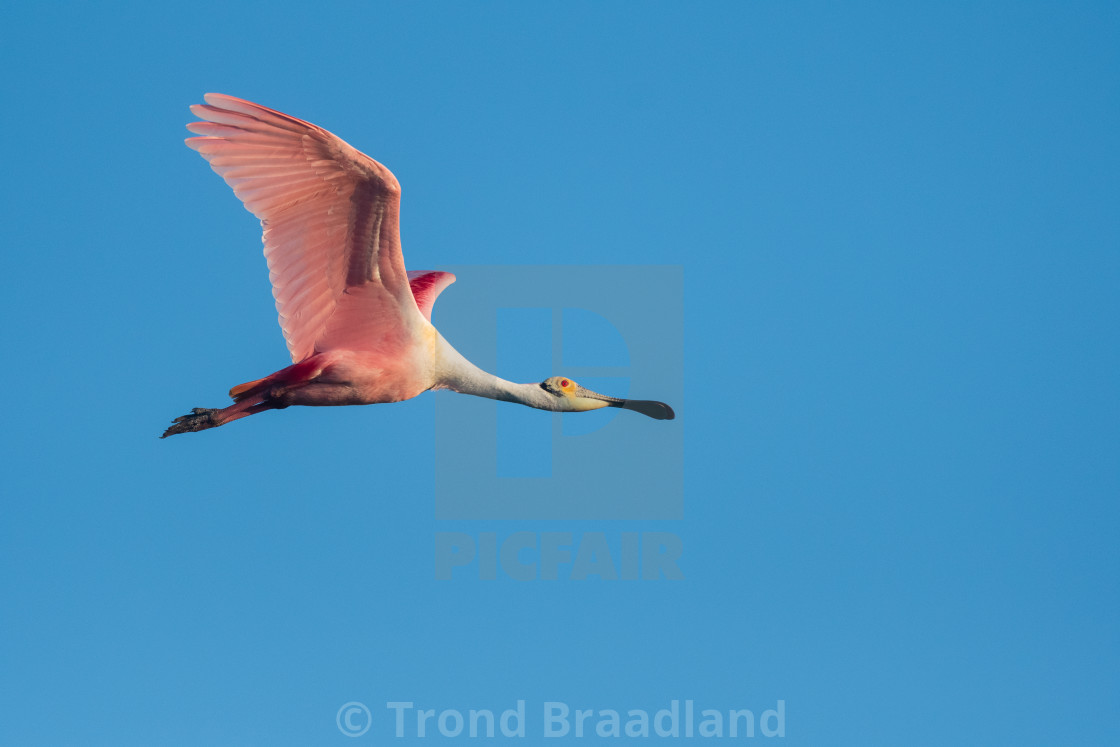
(199, 419)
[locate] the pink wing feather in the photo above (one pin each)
(330, 216)
(426, 285)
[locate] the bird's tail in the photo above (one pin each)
(250, 388)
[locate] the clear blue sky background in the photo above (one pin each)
(900, 236)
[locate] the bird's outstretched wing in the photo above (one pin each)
(426, 285)
(330, 216)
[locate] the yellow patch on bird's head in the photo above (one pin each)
(560, 386)
(573, 396)
(568, 396)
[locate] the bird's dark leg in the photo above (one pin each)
(202, 418)
(199, 419)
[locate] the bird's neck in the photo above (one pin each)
(458, 374)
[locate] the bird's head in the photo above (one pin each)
(571, 397)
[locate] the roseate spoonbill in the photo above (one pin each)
(358, 326)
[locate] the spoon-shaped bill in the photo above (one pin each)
(656, 410)
(651, 408)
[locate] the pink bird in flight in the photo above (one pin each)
(357, 324)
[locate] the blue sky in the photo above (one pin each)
(894, 363)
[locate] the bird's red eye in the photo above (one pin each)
(565, 383)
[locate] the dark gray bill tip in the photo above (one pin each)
(655, 410)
